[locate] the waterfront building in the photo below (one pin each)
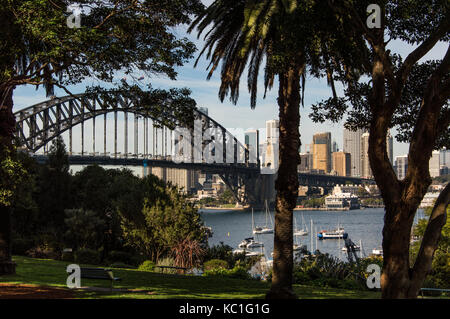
(342, 200)
(322, 151)
(342, 163)
(351, 189)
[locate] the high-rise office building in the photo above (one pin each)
(352, 145)
(401, 166)
(306, 163)
(366, 171)
(270, 154)
(322, 151)
(434, 164)
(252, 143)
(335, 147)
(342, 163)
(272, 131)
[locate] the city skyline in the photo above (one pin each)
(241, 116)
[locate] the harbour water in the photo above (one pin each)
(231, 227)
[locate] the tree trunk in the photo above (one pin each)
(7, 127)
(395, 278)
(287, 182)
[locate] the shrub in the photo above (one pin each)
(87, 256)
(42, 252)
(301, 278)
(147, 265)
(215, 263)
(237, 272)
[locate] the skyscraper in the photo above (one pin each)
(342, 163)
(252, 143)
(401, 166)
(352, 145)
(272, 131)
(366, 171)
(322, 151)
(270, 154)
(434, 164)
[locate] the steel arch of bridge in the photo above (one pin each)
(37, 125)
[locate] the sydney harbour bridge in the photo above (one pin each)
(156, 139)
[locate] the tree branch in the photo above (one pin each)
(430, 240)
(420, 51)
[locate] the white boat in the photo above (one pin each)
(245, 242)
(300, 232)
(331, 234)
(254, 244)
(263, 229)
(296, 247)
(247, 253)
(377, 252)
(357, 248)
(253, 253)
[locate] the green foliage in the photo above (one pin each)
(440, 273)
(324, 270)
(313, 202)
(238, 272)
(225, 252)
(215, 263)
(12, 176)
(38, 46)
(165, 218)
(87, 256)
(84, 228)
(147, 265)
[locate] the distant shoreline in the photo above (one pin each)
(224, 208)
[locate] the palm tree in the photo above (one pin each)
(247, 32)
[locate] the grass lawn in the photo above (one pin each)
(45, 272)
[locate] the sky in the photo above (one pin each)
(234, 117)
